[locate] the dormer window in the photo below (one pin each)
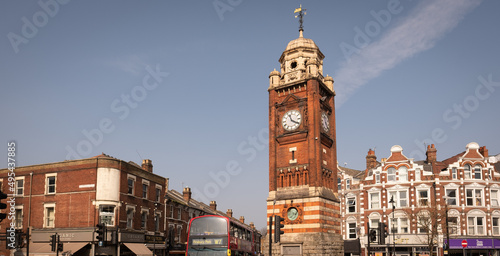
(478, 172)
(467, 174)
(391, 174)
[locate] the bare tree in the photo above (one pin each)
(429, 222)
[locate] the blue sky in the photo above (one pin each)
(184, 83)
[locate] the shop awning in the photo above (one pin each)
(139, 249)
(44, 248)
(41, 249)
(73, 247)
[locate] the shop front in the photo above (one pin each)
(474, 247)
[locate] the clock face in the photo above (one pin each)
(291, 120)
(292, 213)
(325, 122)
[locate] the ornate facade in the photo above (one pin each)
(425, 204)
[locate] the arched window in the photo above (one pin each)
(476, 223)
(478, 171)
(495, 223)
(453, 222)
(467, 171)
(403, 173)
(391, 174)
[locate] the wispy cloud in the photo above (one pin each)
(419, 31)
(133, 64)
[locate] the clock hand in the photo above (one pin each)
(293, 120)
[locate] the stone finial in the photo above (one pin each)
(328, 80)
(274, 79)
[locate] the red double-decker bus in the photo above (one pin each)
(213, 235)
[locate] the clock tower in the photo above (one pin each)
(302, 152)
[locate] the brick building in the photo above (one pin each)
(434, 203)
(71, 197)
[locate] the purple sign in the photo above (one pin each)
(474, 243)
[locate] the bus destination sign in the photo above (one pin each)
(207, 241)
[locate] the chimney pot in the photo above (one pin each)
(213, 205)
(371, 159)
(186, 193)
(147, 165)
(431, 153)
(229, 213)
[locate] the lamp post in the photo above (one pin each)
(392, 229)
(156, 225)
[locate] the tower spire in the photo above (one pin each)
(301, 14)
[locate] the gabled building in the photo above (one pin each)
(425, 205)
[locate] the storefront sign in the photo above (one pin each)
(64, 235)
(131, 237)
(474, 243)
(150, 239)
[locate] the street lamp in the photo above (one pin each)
(393, 230)
(156, 225)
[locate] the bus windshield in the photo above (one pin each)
(207, 252)
(208, 226)
(208, 236)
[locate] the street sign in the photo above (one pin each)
(464, 243)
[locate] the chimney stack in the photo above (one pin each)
(147, 165)
(484, 151)
(242, 219)
(252, 225)
(229, 213)
(186, 193)
(431, 153)
(371, 159)
(213, 205)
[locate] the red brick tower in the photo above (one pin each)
(302, 152)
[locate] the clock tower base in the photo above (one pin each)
(313, 228)
(306, 244)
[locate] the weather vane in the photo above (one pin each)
(301, 14)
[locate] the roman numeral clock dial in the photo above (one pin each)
(325, 122)
(291, 120)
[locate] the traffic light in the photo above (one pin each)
(278, 225)
(383, 233)
(2, 205)
(101, 233)
(59, 247)
(53, 243)
(372, 235)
